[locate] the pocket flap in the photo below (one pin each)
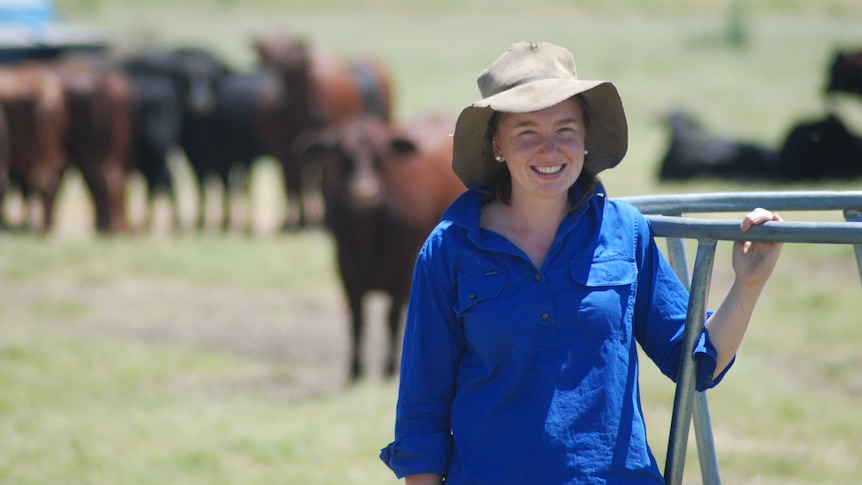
(475, 288)
(609, 272)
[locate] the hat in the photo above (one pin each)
(530, 77)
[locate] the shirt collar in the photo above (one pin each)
(466, 210)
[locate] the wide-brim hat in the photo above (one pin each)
(530, 77)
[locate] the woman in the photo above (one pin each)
(519, 360)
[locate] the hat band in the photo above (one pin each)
(542, 76)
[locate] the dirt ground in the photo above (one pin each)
(304, 340)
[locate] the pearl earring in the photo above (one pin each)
(586, 152)
(498, 158)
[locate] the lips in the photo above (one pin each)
(548, 170)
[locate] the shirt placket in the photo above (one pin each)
(547, 332)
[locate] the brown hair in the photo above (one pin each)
(501, 182)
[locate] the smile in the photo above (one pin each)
(548, 170)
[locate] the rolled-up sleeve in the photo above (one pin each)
(661, 308)
(705, 355)
(432, 348)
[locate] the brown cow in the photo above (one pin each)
(97, 142)
(32, 100)
(385, 188)
(318, 89)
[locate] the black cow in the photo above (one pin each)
(821, 149)
(156, 118)
(196, 75)
(695, 152)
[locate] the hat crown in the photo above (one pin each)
(527, 62)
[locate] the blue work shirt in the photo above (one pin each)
(516, 374)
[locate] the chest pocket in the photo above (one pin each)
(486, 319)
(478, 288)
(604, 291)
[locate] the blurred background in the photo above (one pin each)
(180, 353)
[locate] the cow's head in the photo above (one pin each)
(281, 51)
(354, 157)
(845, 72)
(199, 73)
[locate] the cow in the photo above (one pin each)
(4, 162)
(845, 72)
(196, 75)
(98, 99)
(694, 152)
(155, 132)
(321, 89)
(385, 187)
(33, 101)
(223, 115)
(820, 149)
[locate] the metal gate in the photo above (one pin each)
(665, 213)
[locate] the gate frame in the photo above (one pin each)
(665, 214)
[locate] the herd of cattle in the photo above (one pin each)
(108, 115)
(384, 183)
(812, 150)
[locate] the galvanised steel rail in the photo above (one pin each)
(665, 215)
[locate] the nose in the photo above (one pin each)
(549, 145)
(366, 187)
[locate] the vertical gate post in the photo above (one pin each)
(686, 380)
(706, 453)
(855, 216)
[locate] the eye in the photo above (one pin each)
(568, 130)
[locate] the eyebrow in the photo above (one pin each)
(564, 121)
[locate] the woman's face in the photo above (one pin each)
(544, 149)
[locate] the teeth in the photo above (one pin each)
(554, 169)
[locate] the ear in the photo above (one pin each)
(314, 144)
(317, 150)
(495, 147)
(402, 146)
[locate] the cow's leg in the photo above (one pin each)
(357, 322)
(226, 200)
(243, 188)
(115, 181)
(292, 173)
(395, 313)
(202, 202)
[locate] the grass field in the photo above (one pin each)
(219, 359)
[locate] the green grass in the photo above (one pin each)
(85, 407)
(90, 410)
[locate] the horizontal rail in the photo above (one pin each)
(815, 200)
(772, 231)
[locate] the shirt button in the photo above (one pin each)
(545, 316)
(472, 296)
(537, 276)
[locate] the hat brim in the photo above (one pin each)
(607, 129)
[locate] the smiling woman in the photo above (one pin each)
(530, 310)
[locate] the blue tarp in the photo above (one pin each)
(35, 14)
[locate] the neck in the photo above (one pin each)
(535, 214)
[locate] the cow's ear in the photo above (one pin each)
(402, 146)
(318, 150)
